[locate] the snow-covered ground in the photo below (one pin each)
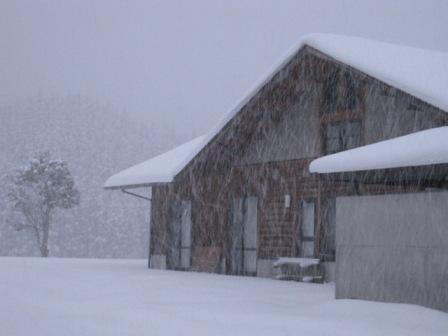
(122, 297)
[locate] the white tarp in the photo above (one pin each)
(416, 149)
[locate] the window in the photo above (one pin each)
(328, 239)
(306, 237)
(243, 244)
(342, 135)
(185, 241)
(340, 92)
(179, 235)
(330, 93)
(350, 93)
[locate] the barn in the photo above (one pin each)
(337, 158)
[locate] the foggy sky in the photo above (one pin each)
(186, 62)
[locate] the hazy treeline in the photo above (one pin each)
(97, 141)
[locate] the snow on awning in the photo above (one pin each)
(160, 169)
(417, 149)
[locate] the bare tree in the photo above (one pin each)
(35, 191)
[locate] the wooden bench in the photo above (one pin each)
(299, 269)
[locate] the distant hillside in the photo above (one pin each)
(97, 141)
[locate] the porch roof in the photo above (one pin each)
(422, 148)
(160, 169)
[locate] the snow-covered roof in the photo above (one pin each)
(416, 149)
(160, 169)
(422, 73)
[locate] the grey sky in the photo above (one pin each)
(186, 62)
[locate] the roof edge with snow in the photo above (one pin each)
(158, 170)
(422, 148)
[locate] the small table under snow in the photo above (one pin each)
(299, 269)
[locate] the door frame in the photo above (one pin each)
(299, 232)
(230, 266)
(176, 227)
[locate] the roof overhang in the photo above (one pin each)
(424, 148)
(161, 169)
(135, 186)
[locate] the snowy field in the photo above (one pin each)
(122, 297)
